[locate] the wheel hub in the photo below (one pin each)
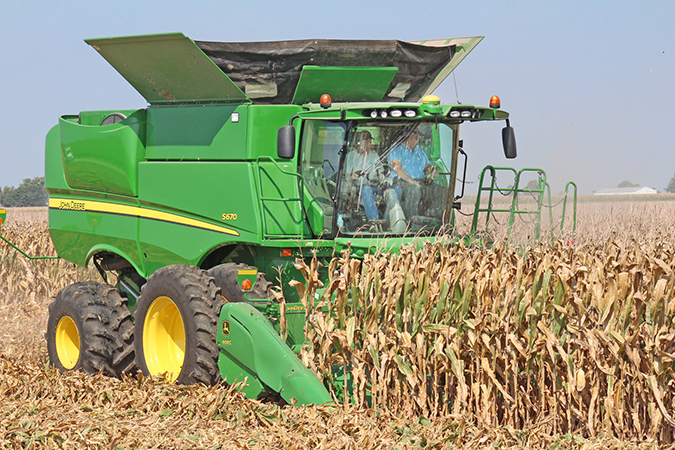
(164, 339)
(67, 342)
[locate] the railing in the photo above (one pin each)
(281, 198)
(539, 193)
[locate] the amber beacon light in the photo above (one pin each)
(325, 101)
(495, 102)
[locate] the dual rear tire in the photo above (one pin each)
(173, 334)
(90, 329)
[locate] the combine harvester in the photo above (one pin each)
(249, 156)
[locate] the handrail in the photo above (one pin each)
(489, 209)
(564, 208)
(272, 199)
(542, 191)
(267, 157)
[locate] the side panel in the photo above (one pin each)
(103, 158)
(197, 132)
(80, 226)
(54, 176)
(264, 122)
(74, 225)
(215, 132)
(221, 194)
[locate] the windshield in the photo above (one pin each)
(375, 178)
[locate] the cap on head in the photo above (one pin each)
(363, 135)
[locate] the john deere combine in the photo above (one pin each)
(249, 156)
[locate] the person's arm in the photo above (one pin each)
(398, 170)
(350, 166)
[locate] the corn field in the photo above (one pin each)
(442, 346)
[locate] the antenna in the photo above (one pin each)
(456, 93)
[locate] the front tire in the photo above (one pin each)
(176, 323)
(90, 329)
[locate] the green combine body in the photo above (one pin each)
(204, 200)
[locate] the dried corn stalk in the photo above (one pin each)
(583, 336)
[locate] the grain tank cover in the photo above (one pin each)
(171, 68)
(167, 68)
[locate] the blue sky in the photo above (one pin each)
(590, 85)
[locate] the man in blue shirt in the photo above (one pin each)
(407, 162)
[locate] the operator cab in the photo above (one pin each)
(379, 178)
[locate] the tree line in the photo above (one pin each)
(671, 185)
(31, 192)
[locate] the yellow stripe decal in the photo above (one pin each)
(135, 211)
(248, 272)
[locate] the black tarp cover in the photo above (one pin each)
(278, 65)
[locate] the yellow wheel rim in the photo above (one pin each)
(164, 339)
(67, 342)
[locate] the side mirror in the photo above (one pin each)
(509, 141)
(286, 142)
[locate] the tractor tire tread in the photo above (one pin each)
(204, 303)
(106, 334)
